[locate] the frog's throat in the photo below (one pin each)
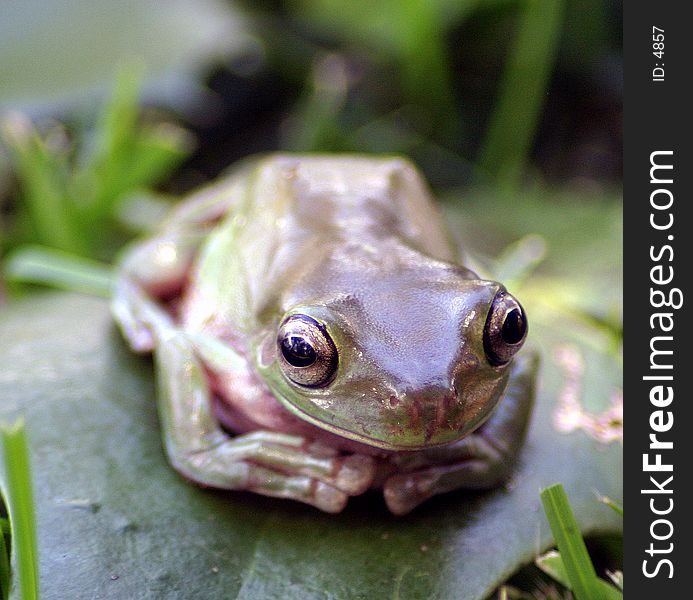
(355, 436)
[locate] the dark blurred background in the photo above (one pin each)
(432, 80)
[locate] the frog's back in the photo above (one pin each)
(350, 197)
(295, 211)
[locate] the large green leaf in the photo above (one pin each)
(115, 521)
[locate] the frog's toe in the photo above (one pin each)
(327, 498)
(141, 340)
(405, 492)
(355, 474)
(138, 336)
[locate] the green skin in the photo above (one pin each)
(415, 406)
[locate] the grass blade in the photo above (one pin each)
(156, 151)
(4, 559)
(578, 567)
(615, 506)
(519, 260)
(42, 172)
(46, 266)
(552, 564)
(20, 501)
(512, 125)
(116, 135)
(424, 61)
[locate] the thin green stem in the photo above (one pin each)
(424, 62)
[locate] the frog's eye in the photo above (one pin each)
(505, 330)
(308, 354)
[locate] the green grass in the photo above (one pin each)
(58, 269)
(571, 565)
(75, 186)
(5, 572)
(510, 133)
(19, 504)
(71, 187)
(615, 506)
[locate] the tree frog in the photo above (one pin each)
(315, 336)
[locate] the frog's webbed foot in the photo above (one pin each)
(265, 462)
(275, 464)
(475, 464)
(482, 460)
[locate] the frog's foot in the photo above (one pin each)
(137, 315)
(482, 460)
(479, 466)
(280, 465)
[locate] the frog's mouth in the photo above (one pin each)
(421, 430)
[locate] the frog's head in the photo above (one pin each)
(402, 362)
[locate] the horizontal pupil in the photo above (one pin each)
(297, 351)
(514, 327)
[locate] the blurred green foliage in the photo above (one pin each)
(72, 188)
(409, 37)
(459, 86)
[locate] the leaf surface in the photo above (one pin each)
(115, 521)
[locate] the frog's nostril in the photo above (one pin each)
(431, 410)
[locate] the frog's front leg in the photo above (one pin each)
(481, 460)
(151, 269)
(265, 462)
(158, 267)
